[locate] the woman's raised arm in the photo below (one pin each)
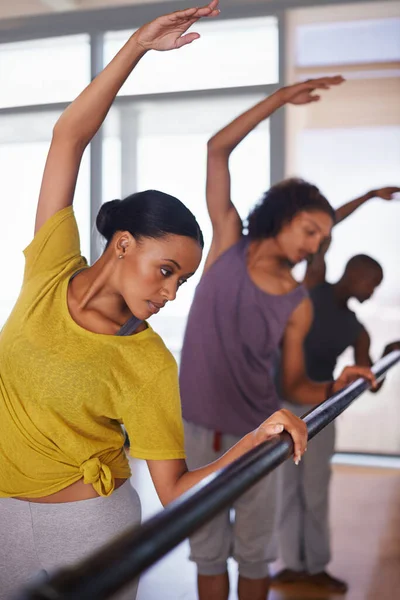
(226, 222)
(84, 116)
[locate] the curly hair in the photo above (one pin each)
(281, 203)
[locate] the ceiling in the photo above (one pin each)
(23, 8)
(19, 8)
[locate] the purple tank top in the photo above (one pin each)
(230, 347)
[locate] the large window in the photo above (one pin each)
(231, 53)
(38, 72)
(24, 143)
(348, 144)
(44, 71)
(348, 42)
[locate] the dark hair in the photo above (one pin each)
(148, 214)
(281, 203)
(360, 263)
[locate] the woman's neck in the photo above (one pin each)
(92, 291)
(266, 255)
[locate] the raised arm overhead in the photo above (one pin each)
(83, 118)
(226, 222)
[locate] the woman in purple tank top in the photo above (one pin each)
(247, 308)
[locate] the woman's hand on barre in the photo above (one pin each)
(172, 478)
(284, 420)
(167, 32)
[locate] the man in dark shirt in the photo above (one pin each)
(304, 523)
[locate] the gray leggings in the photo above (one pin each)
(38, 537)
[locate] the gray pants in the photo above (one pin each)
(39, 538)
(251, 537)
(304, 500)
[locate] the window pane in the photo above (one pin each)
(374, 40)
(230, 53)
(366, 158)
(24, 143)
(43, 71)
(171, 156)
(111, 175)
(346, 163)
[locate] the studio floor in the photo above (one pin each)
(365, 519)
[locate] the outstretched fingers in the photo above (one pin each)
(169, 32)
(210, 10)
(326, 81)
(322, 83)
(186, 39)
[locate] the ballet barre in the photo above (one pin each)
(101, 575)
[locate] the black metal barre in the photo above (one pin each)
(124, 559)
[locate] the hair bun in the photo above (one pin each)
(105, 221)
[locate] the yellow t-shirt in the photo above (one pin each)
(64, 391)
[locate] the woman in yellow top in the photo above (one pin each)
(68, 378)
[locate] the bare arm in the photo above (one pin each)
(316, 272)
(225, 219)
(386, 193)
(297, 386)
(171, 478)
(316, 269)
(362, 349)
(226, 222)
(76, 127)
(362, 354)
(82, 119)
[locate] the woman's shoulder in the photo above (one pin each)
(151, 348)
(229, 259)
(142, 362)
(55, 247)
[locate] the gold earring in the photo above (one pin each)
(121, 256)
